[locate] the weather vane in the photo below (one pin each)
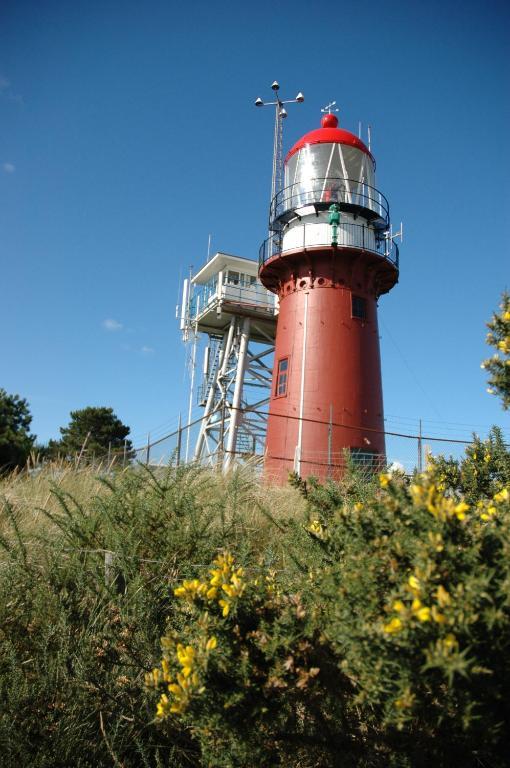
(329, 108)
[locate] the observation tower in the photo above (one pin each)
(225, 306)
(329, 256)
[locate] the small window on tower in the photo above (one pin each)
(361, 457)
(359, 307)
(281, 377)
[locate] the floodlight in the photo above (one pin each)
(283, 112)
(300, 97)
(275, 86)
(259, 102)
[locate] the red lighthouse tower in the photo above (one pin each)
(329, 258)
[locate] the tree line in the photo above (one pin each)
(92, 431)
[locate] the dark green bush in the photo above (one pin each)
(82, 609)
(382, 639)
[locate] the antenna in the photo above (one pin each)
(359, 129)
(400, 233)
(280, 115)
(209, 247)
(369, 138)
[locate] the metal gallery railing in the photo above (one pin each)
(328, 190)
(355, 236)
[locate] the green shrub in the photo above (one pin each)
(383, 641)
(84, 600)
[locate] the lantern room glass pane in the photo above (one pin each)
(330, 173)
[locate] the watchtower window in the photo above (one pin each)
(359, 307)
(281, 377)
(233, 277)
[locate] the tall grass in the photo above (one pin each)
(87, 564)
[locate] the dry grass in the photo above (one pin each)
(31, 493)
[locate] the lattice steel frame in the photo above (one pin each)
(235, 418)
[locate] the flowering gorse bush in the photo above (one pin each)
(498, 365)
(385, 637)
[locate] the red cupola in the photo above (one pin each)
(329, 133)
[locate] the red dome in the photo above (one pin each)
(329, 133)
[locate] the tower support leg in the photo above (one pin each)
(235, 416)
(209, 407)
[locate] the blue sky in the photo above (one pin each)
(128, 135)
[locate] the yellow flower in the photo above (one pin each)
(211, 643)
(415, 605)
(216, 578)
(190, 589)
(438, 617)
(395, 625)
(398, 606)
(358, 506)
(502, 495)
(450, 641)
(185, 656)
(442, 596)
(212, 593)
(460, 510)
(414, 584)
(417, 492)
(423, 614)
(384, 480)
(226, 607)
(162, 706)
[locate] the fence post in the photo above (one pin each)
(179, 443)
(330, 438)
(420, 456)
(148, 449)
(109, 571)
(124, 457)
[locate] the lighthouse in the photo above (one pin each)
(329, 256)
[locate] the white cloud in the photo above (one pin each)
(112, 325)
(6, 90)
(9, 167)
(147, 350)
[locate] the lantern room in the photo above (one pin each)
(330, 165)
(327, 167)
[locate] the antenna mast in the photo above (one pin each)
(280, 115)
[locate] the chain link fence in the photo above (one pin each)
(404, 450)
